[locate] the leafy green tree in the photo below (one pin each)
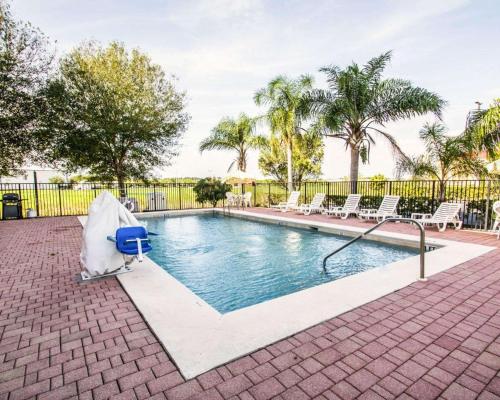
(308, 152)
(236, 135)
(283, 96)
(445, 158)
(78, 178)
(483, 130)
(25, 63)
(211, 190)
(56, 179)
(378, 182)
(113, 113)
(359, 102)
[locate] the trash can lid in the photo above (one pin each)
(10, 196)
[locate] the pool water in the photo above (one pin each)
(233, 263)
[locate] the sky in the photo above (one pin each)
(222, 51)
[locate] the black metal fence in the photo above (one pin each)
(476, 197)
(417, 196)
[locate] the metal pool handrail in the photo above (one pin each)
(409, 220)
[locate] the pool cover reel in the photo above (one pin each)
(106, 214)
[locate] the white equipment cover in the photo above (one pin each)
(106, 214)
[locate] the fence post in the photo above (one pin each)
(328, 199)
(269, 194)
(254, 194)
(390, 188)
(305, 192)
(433, 196)
(154, 196)
(487, 212)
(60, 201)
(37, 205)
(180, 197)
(19, 191)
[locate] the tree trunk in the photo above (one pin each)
(289, 166)
(442, 191)
(354, 170)
(121, 185)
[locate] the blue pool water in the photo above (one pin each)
(233, 263)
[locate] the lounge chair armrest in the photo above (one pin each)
(368, 211)
(135, 240)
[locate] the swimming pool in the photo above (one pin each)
(233, 263)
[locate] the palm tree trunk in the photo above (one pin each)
(442, 191)
(354, 170)
(289, 165)
(241, 164)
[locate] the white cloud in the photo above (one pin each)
(404, 15)
(191, 13)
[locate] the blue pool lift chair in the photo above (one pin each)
(132, 242)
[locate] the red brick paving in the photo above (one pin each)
(61, 339)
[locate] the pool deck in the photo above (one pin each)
(60, 339)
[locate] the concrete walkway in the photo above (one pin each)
(61, 339)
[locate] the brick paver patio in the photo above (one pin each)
(61, 339)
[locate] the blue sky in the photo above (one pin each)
(222, 51)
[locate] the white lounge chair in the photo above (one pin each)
(232, 200)
(446, 213)
(316, 205)
(387, 209)
(247, 199)
(289, 205)
(350, 207)
(496, 224)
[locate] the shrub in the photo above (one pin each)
(56, 179)
(211, 190)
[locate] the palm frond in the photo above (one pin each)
(232, 164)
(483, 129)
(375, 67)
(416, 167)
(398, 99)
(436, 143)
(215, 143)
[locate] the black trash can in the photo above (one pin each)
(11, 206)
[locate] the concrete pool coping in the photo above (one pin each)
(199, 338)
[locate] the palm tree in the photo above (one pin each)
(234, 134)
(308, 151)
(283, 96)
(445, 157)
(358, 103)
(483, 129)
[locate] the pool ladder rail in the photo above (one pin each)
(408, 220)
